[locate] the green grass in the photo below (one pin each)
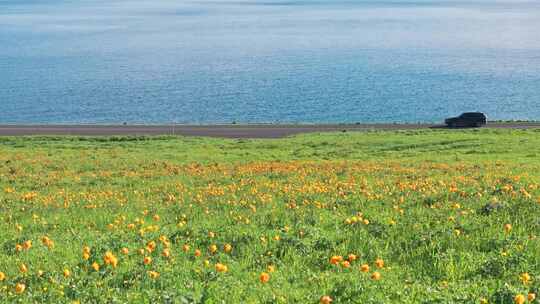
(436, 201)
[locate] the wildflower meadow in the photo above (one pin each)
(431, 216)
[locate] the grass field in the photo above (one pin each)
(373, 217)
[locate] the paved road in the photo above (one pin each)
(227, 131)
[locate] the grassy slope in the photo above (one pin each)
(418, 189)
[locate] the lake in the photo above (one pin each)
(269, 61)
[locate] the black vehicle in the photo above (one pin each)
(470, 119)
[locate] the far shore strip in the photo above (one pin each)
(225, 131)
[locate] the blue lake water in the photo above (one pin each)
(162, 61)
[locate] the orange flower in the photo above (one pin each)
(23, 268)
(352, 257)
(47, 242)
(147, 260)
(27, 245)
(166, 253)
(227, 248)
(264, 277)
(531, 296)
(20, 287)
(507, 228)
(125, 250)
(110, 259)
(379, 263)
(185, 248)
(364, 268)
(376, 276)
(95, 266)
(151, 246)
(336, 259)
(345, 264)
(325, 300)
(197, 253)
(221, 267)
(153, 274)
(67, 273)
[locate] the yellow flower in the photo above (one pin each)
(213, 248)
(227, 248)
(264, 277)
(531, 296)
(519, 299)
(525, 278)
(483, 301)
(20, 287)
(153, 274)
(507, 228)
(86, 256)
(221, 267)
(95, 266)
(2, 276)
(67, 273)
(271, 268)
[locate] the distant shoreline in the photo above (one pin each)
(224, 131)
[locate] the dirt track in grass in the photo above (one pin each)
(224, 131)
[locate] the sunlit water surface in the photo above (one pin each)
(161, 61)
